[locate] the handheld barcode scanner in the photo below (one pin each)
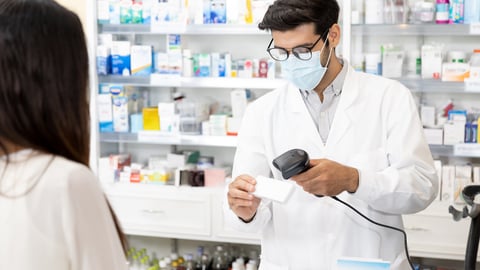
(292, 162)
(471, 195)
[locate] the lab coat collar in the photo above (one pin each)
(343, 115)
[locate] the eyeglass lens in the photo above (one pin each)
(301, 53)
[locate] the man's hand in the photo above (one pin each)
(327, 177)
(242, 203)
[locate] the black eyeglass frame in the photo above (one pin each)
(296, 54)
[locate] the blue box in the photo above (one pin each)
(121, 58)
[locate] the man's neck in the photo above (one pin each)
(332, 71)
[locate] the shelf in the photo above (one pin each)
(414, 29)
(194, 82)
(458, 150)
(418, 85)
(154, 137)
(441, 150)
(193, 29)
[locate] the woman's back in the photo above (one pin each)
(54, 216)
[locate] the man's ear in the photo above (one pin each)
(334, 36)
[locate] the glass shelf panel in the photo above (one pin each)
(193, 29)
(193, 82)
(412, 29)
(153, 137)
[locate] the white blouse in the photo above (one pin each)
(54, 216)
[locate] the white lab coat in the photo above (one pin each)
(377, 130)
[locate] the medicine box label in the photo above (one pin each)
(120, 114)
(121, 58)
(141, 60)
(105, 115)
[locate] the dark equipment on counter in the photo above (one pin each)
(471, 196)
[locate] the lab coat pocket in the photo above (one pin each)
(376, 160)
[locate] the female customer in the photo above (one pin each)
(53, 214)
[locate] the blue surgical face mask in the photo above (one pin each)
(305, 74)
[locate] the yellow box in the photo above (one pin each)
(151, 120)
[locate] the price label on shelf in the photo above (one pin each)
(167, 80)
(161, 137)
(475, 28)
(467, 150)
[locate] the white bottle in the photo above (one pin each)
(475, 65)
(374, 10)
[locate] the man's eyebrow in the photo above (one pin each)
(308, 44)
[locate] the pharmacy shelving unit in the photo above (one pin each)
(184, 212)
(432, 233)
(168, 211)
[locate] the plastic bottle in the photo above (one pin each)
(219, 260)
(475, 65)
(189, 262)
(443, 9)
(471, 11)
(374, 10)
(455, 13)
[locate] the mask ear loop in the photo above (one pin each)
(329, 54)
(329, 57)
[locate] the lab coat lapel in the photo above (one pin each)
(345, 112)
(299, 113)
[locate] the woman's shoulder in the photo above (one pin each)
(69, 168)
(71, 175)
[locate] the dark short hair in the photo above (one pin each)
(44, 79)
(284, 15)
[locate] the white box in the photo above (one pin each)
(438, 168)
(392, 63)
(476, 174)
(272, 189)
(453, 132)
(105, 114)
(427, 115)
(121, 58)
(455, 72)
(103, 11)
(141, 60)
(103, 60)
(218, 124)
(215, 58)
(448, 179)
(120, 114)
(169, 121)
(238, 98)
(161, 63)
(463, 177)
(433, 135)
(176, 160)
(431, 62)
(472, 85)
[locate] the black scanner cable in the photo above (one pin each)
(296, 161)
(378, 224)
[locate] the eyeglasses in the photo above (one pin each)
(301, 52)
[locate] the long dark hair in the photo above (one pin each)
(44, 81)
(284, 15)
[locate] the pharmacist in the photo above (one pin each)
(363, 135)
